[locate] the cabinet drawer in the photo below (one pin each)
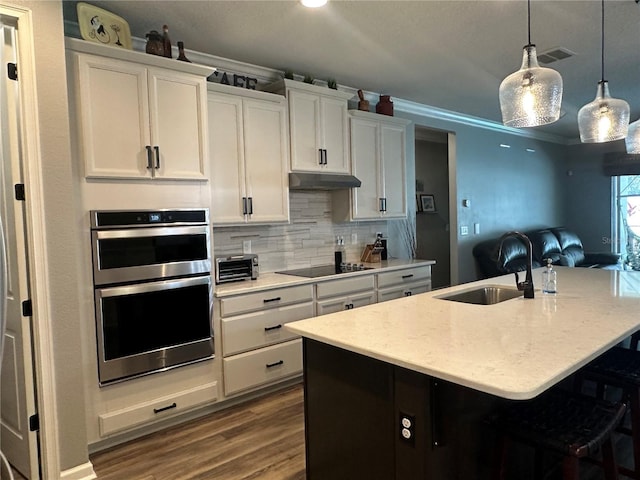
(157, 409)
(259, 329)
(404, 291)
(344, 286)
(266, 299)
(263, 366)
(339, 304)
(404, 276)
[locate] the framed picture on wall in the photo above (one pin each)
(427, 203)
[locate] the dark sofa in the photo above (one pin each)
(562, 246)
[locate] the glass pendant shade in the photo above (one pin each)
(633, 138)
(605, 119)
(531, 96)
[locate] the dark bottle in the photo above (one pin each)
(181, 55)
(166, 42)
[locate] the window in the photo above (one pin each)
(627, 228)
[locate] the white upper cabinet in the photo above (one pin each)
(249, 156)
(318, 127)
(378, 160)
(139, 119)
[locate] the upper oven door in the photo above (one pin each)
(149, 253)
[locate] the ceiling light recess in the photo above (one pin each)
(531, 96)
(605, 118)
(313, 3)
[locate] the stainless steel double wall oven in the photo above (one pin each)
(153, 290)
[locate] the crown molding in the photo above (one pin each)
(268, 75)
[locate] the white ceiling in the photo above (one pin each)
(449, 54)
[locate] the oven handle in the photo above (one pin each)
(119, 291)
(151, 232)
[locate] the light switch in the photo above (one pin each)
(246, 246)
(476, 228)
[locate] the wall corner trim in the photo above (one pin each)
(79, 472)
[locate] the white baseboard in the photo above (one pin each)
(80, 472)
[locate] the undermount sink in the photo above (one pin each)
(487, 295)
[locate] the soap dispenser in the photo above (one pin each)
(549, 279)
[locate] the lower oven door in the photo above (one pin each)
(147, 327)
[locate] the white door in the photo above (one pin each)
(18, 443)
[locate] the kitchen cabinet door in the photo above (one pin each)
(178, 124)
(114, 113)
(226, 153)
(392, 166)
(319, 134)
(141, 122)
(266, 160)
(378, 160)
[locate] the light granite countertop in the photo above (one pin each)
(268, 281)
(515, 349)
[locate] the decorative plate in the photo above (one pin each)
(100, 26)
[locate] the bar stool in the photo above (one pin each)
(573, 425)
(620, 368)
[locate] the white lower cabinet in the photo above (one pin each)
(256, 349)
(345, 294)
(157, 409)
(404, 282)
(263, 366)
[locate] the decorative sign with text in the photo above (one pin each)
(236, 80)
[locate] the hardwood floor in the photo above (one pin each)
(262, 439)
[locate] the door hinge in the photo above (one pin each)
(19, 188)
(34, 423)
(12, 71)
(27, 308)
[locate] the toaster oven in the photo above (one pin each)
(231, 268)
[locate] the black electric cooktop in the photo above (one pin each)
(325, 270)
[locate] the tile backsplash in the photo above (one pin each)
(308, 240)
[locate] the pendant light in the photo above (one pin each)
(531, 96)
(632, 141)
(605, 118)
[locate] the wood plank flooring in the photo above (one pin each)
(262, 439)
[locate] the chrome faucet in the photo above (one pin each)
(527, 285)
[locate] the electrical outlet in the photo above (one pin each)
(464, 230)
(246, 246)
(476, 228)
(354, 238)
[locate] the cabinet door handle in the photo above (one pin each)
(244, 205)
(275, 327)
(157, 149)
(381, 204)
(325, 156)
(407, 276)
(321, 156)
(275, 299)
(384, 204)
(168, 407)
(250, 205)
(271, 365)
(149, 158)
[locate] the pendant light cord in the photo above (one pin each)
(529, 20)
(602, 43)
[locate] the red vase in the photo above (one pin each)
(385, 105)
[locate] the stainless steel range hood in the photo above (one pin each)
(321, 181)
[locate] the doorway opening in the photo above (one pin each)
(433, 206)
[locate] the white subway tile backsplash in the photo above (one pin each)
(308, 240)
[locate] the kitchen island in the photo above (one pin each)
(440, 366)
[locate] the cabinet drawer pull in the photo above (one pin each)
(157, 149)
(149, 158)
(408, 276)
(275, 327)
(168, 407)
(408, 293)
(271, 365)
(268, 300)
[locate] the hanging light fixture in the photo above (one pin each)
(531, 96)
(605, 118)
(632, 141)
